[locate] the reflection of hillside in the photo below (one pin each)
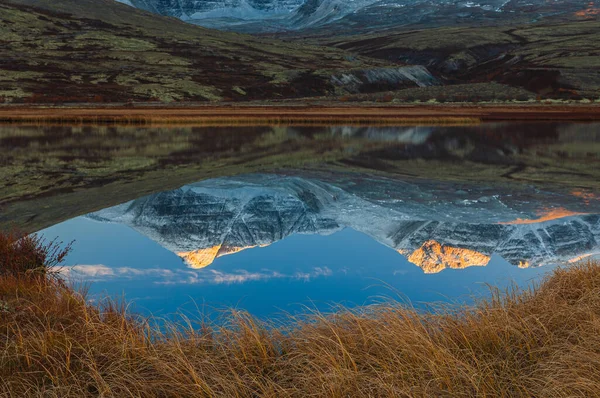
(433, 227)
(86, 168)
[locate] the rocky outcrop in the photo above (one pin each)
(315, 13)
(434, 257)
(382, 79)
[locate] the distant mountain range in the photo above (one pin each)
(432, 227)
(204, 9)
(361, 15)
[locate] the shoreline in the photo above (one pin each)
(248, 115)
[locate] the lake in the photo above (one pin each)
(277, 219)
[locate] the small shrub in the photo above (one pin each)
(30, 255)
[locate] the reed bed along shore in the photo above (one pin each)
(279, 114)
(542, 342)
(220, 121)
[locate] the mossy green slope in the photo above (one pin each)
(100, 50)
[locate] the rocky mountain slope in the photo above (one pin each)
(358, 16)
(205, 9)
(433, 227)
(364, 16)
(542, 59)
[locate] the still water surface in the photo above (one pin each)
(423, 214)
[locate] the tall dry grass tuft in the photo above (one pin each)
(543, 342)
(28, 255)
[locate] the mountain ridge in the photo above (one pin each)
(218, 217)
(291, 15)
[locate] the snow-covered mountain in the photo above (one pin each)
(432, 226)
(273, 15)
(207, 9)
(322, 12)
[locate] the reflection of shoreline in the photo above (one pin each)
(432, 227)
(98, 169)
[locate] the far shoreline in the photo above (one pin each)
(239, 114)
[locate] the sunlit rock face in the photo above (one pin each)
(360, 81)
(202, 258)
(547, 215)
(433, 257)
(433, 227)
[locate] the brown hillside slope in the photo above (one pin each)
(546, 59)
(100, 50)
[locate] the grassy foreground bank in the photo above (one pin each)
(543, 343)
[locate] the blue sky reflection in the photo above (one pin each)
(346, 267)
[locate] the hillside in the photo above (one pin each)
(542, 59)
(96, 51)
(100, 50)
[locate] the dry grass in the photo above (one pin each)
(227, 121)
(543, 343)
(29, 255)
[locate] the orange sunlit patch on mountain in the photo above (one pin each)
(434, 257)
(202, 258)
(546, 215)
(591, 11)
(586, 196)
(524, 264)
(582, 257)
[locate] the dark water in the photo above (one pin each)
(423, 214)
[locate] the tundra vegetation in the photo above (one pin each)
(98, 51)
(539, 341)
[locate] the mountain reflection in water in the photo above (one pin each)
(434, 225)
(388, 223)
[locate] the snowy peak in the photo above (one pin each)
(207, 9)
(285, 15)
(321, 12)
(204, 221)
